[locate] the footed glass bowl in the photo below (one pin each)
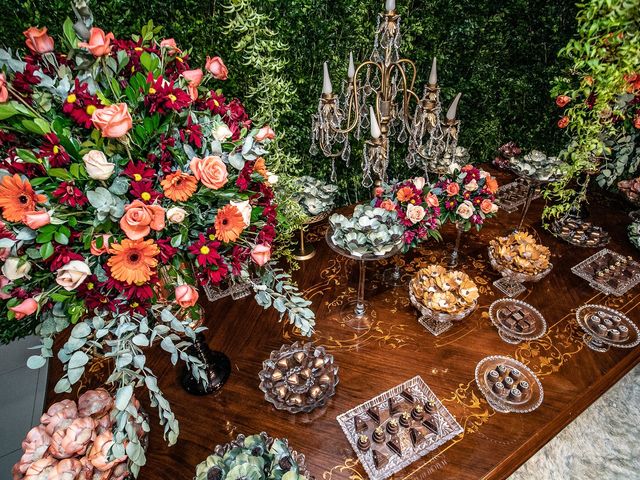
(437, 322)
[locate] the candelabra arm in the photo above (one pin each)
(407, 90)
(414, 71)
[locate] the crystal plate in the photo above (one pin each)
(590, 317)
(508, 327)
(587, 270)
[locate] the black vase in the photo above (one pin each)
(217, 367)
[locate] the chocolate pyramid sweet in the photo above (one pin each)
(394, 406)
(430, 424)
(374, 413)
(408, 396)
(416, 436)
(361, 425)
(395, 446)
(379, 459)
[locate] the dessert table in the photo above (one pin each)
(395, 349)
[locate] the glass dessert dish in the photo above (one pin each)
(299, 377)
(508, 385)
(438, 322)
(511, 283)
(605, 327)
(357, 313)
(396, 428)
(609, 272)
(517, 321)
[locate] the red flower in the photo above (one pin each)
(24, 81)
(192, 133)
(54, 152)
(80, 104)
(206, 251)
(636, 121)
(61, 256)
(144, 191)
(138, 171)
(163, 97)
(562, 101)
(67, 193)
(214, 103)
(563, 122)
(239, 256)
(167, 252)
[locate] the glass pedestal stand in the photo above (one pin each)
(511, 283)
(305, 251)
(358, 313)
(454, 258)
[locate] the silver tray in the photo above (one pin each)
(622, 288)
(448, 428)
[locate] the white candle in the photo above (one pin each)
(451, 113)
(352, 67)
(390, 5)
(375, 128)
(433, 76)
(327, 88)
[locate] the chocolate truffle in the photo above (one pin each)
(299, 357)
(624, 331)
(417, 412)
(501, 369)
(601, 330)
(493, 376)
(508, 382)
(378, 435)
(430, 406)
(515, 374)
(364, 443)
(395, 446)
(283, 363)
(392, 427)
(523, 385)
(379, 459)
(614, 334)
(498, 387)
(405, 420)
(276, 376)
(515, 394)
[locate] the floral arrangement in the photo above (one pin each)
(125, 183)
(315, 196)
(75, 440)
(418, 209)
(467, 195)
(370, 230)
(254, 457)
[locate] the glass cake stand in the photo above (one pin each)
(357, 313)
(511, 283)
(520, 390)
(510, 327)
(605, 327)
(438, 322)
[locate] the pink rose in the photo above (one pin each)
(24, 309)
(193, 78)
(388, 205)
(170, 45)
(38, 41)
(432, 200)
(4, 93)
(465, 209)
(99, 44)
(216, 67)
(261, 254)
(74, 439)
(113, 121)
(95, 403)
(139, 219)
(378, 191)
(265, 133)
(58, 414)
(37, 219)
(415, 213)
(211, 171)
(186, 295)
(453, 189)
(105, 245)
(4, 281)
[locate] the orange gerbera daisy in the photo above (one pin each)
(261, 167)
(179, 186)
(405, 194)
(229, 224)
(133, 261)
(17, 198)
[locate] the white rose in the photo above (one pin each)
(419, 182)
(484, 174)
(465, 209)
(494, 208)
(176, 215)
(472, 186)
(273, 178)
(97, 165)
(415, 213)
(245, 210)
(453, 167)
(221, 132)
(15, 269)
(71, 275)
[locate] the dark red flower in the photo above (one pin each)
(192, 133)
(80, 104)
(206, 251)
(167, 252)
(24, 81)
(61, 256)
(164, 97)
(68, 194)
(54, 152)
(144, 191)
(138, 171)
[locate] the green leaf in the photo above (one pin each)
(7, 110)
(61, 238)
(35, 362)
(69, 32)
(27, 156)
(59, 173)
(46, 250)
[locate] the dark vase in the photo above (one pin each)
(217, 368)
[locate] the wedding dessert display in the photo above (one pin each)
(508, 385)
(605, 327)
(299, 377)
(442, 296)
(609, 272)
(516, 320)
(398, 427)
(254, 457)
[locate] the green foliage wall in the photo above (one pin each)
(502, 54)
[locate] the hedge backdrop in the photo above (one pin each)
(501, 54)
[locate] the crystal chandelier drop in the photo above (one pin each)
(377, 97)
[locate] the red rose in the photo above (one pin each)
(563, 122)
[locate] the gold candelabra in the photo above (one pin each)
(377, 96)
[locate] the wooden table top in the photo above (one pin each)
(394, 350)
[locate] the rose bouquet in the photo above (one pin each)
(126, 182)
(418, 209)
(467, 195)
(74, 440)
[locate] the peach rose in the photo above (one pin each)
(176, 215)
(170, 45)
(261, 254)
(99, 44)
(113, 121)
(453, 189)
(74, 439)
(186, 295)
(492, 184)
(139, 219)
(211, 171)
(216, 67)
(97, 251)
(415, 213)
(388, 205)
(71, 275)
(432, 200)
(100, 450)
(95, 403)
(193, 78)
(472, 186)
(37, 219)
(38, 41)
(465, 209)
(4, 93)
(486, 206)
(97, 165)
(265, 133)
(25, 308)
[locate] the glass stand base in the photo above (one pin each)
(595, 344)
(434, 327)
(307, 252)
(358, 316)
(505, 337)
(509, 287)
(393, 277)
